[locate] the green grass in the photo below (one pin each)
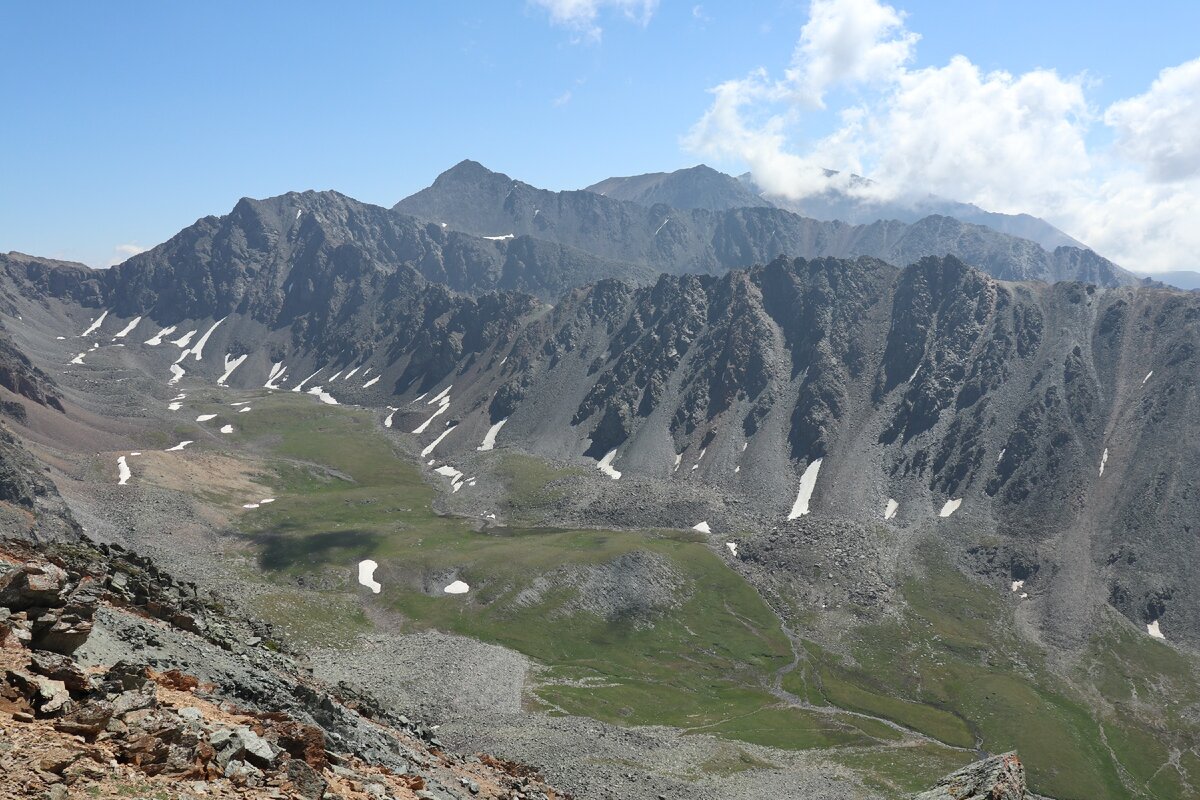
(343, 495)
(902, 771)
(804, 729)
(529, 485)
(952, 666)
(730, 760)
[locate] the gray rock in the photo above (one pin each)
(997, 778)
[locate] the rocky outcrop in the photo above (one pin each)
(996, 778)
(82, 728)
(21, 377)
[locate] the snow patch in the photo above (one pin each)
(205, 417)
(239, 403)
(702, 527)
(299, 387)
(78, 359)
(350, 374)
(387, 422)
(808, 482)
(732, 548)
(366, 575)
(678, 459)
(157, 338)
(174, 406)
(664, 224)
(437, 441)
(1103, 461)
(503, 238)
(1148, 374)
(439, 395)
(95, 324)
(230, 365)
(182, 341)
(198, 350)
(449, 471)
(372, 382)
(128, 329)
(179, 446)
(890, 509)
(605, 465)
(226, 429)
(250, 505)
(1016, 586)
(1153, 629)
(123, 469)
(950, 507)
(177, 373)
(244, 409)
(458, 587)
(276, 375)
(489, 438)
(324, 396)
(421, 428)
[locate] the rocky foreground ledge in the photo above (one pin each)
(118, 681)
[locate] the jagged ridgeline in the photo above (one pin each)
(936, 387)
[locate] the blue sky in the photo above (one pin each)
(126, 121)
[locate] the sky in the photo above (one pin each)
(127, 121)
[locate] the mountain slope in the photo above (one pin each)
(471, 198)
(246, 259)
(694, 187)
(901, 460)
(923, 385)
(834, 204)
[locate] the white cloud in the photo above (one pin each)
(581, 15)
(1161, 128)
(124, 251)
(1011, 143)
(849, 42)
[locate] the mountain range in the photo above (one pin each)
(834, 409)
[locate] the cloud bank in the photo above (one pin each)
(1007, 142)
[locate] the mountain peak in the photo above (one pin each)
(699, 186)
(468, 171)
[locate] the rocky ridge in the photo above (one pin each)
(471, 198)
(256, 727)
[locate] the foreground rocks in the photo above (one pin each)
(997, 778)
(130, 728)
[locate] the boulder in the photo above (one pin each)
(306, 782)
(996, 778)
(31, 586)
(135, 699)
(60, 668)
(88, 720)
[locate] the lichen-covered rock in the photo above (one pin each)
(996, 778)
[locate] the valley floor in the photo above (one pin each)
(622, 662)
